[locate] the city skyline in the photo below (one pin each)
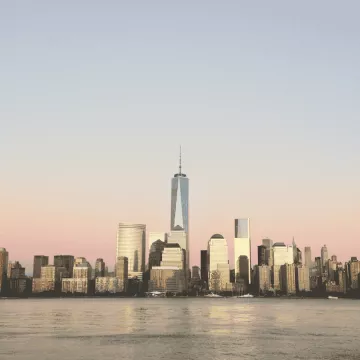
(263, 99)
(175, 204)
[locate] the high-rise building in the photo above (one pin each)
(39, 261)
(50, 279)
(242, 246)
(218, 263)
(174, 256)
(302, 278)
(10, 265)
(121, 267)
(17, 271)
(287, 277)
(308, 261)
(66, 261)
(262, 278)
(318, 266)
(155, 253)
(195, 273)
(262, 255)
(131, 240)
(204, 265)
(282, 254)
(354, 272)
(268, 243)
(17, 279)
(243, 274)
(179, 218)
(324, 256)
(99, 268)
(4, 259)
(80, 283)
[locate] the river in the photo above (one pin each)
(179, 329)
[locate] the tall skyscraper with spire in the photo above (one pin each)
(179, 221)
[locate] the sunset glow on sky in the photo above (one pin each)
(264, 98)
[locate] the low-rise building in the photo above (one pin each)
(167, 278)
(110, 285)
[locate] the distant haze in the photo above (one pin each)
(96, 98)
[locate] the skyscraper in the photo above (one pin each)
(66, 261)
(324, 256)
(131, 244)
(204, 266)
(262, 255)
(39, 261)
(242, 246)
(99, 268)
(4, 259)
(308, 261)
(180, 207)
(218, 263)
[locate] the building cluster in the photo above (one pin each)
(280, 269)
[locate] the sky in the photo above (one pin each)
(96, 98)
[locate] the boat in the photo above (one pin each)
(333, 298)
(155, 294)
(246, 296)
(212, 295)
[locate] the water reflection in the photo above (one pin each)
(177, 329)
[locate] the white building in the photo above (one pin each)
(131, 239)
(324, 256)
(242, 247)
(302, 278)
(110, 284)
(218, 263)
(173, 255)
(282, 254)
(82, 269)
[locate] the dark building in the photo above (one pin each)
(262, 255)
(66, 261)
(232, 275)
(99, 270)
(318, 266)
(155, 253)
(243, 269)
(204, 266)
(39, 261)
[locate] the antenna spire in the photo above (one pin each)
(180, 162)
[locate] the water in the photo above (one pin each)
(179, 329)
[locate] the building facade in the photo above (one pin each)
(288, 283)
(282, 254)
(39, 261)
(66, 261)
(242, 247)
(131, 240)
(204, 266)
(4, 260)
(307, 257)
(218, 264)
(262, 278)
(167, 279)
(110, 285)
(179, 212)
(99, 268)
(324, 256)
(302, 278)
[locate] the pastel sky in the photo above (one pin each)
(97, 96)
